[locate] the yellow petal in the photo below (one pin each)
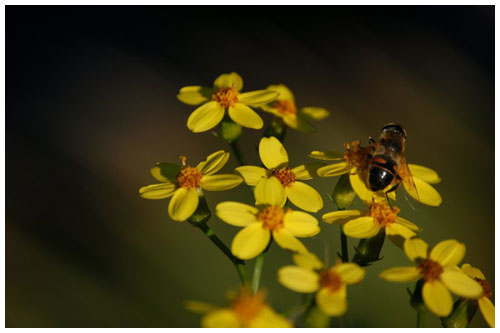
(332, 170)
(257, 98)
(229, 80)
(326, 155)
(428, 175)
(244, 116)
(298, 123)
(367, 196)
(157, 191)
(341, 216)
(251, 174)
(298, 279)
(332, 303)
(488, 310)
(205, 117)
(408, 224)
(307, 260)
(473, 272)
(251, 241)
(165, 172)
(300, 224)
(460, 284)
(285, 94)
(423, 192)
(267, 318)
(415, 248)
(272, 153)
(286, 240)
(448, 252)
(194, 95)
(361, 227)
(304, 196)
(220, 182)
(350, 273)
(199, 307)
(307, 171)
(269, 191)
(223, 318)
(183, 204)
(236, 213)
(393, 229)
(213, 163)
(315, 112)
(401, 274)
(437, 298)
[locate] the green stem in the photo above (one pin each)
(343, 242)
(237, 152)
(420, 319)
(257, 272)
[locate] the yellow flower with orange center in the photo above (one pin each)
(225, 95)
(485, 305)
(184, 183)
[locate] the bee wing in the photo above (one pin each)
(407, 179)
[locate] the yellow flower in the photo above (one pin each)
(268, 218)
(225, 95)
(366, 224)
(245, 311)
(485, 305)
(284, 107)
(280, 180)
(439, 271)
(183, 183)
(416, 181)
(310, 276)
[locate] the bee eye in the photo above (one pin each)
(394, 128)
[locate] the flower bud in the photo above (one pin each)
(463, 311)
(343, 194)
(202, 214)
(368, 250)
(316, 318)
(230, 131)
(276, 128)
(416, 300)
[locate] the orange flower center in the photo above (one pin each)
(430, 269)
(486, 287)
(285, 107)
(354, 155)
(226, 96)
(331, 280)
(272, 217)
(285, 175)
(247, 306)
(383, 214)
(188, 177)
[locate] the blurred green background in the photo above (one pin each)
(91, 106)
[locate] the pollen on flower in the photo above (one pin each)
(331, 280)
(271, 217)
(383, 214)
(247, 306)
(189, 177)
(430, 269)
(285, 107)
(486, 287)
(285, 175)
(354, 155)
(226, 96)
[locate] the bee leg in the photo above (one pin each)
(394, 188)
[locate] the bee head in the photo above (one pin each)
(394, 128)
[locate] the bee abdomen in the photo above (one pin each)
(381, 173)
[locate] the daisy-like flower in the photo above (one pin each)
(485, 305)
(284, 107)
(183, 183)
(225, 95)
(439, 271)
(310, 275)
(416, 180)
(246, 310)
(279, 179)
(268, 218)
(366, 224)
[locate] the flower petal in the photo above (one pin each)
(408, 224)
(332, 170)
(298, 279)
(307, 171)
(367, 196)
(229, 80)
(307, 260)
(437, 298)
(304, 196)
(326, 155)
(223, 318)
(315, 113)
(285, 94)
(488, 310)
(401, 274)
(428, 175)
(300, 224)
(393, 229)
(244, 116)
(473, 272)
(165, 172)
(157, 191)
(286, 240)
(332, 303)
(460, 284)
(423, 192)
(183, 204)
(268, 318)
(298, 123)
(415, 248)
(220, 182)
(252, 174)
(199, 307)
(213, 163)
(251, 241)
(272, 153)
(350, 272)
(269, 191)
(205, 117)
(236, 213)
(341, 216)
(258, 97)
(195, 95)
(361, 227)
(448, 252)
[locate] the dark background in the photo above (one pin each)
(91, 106)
